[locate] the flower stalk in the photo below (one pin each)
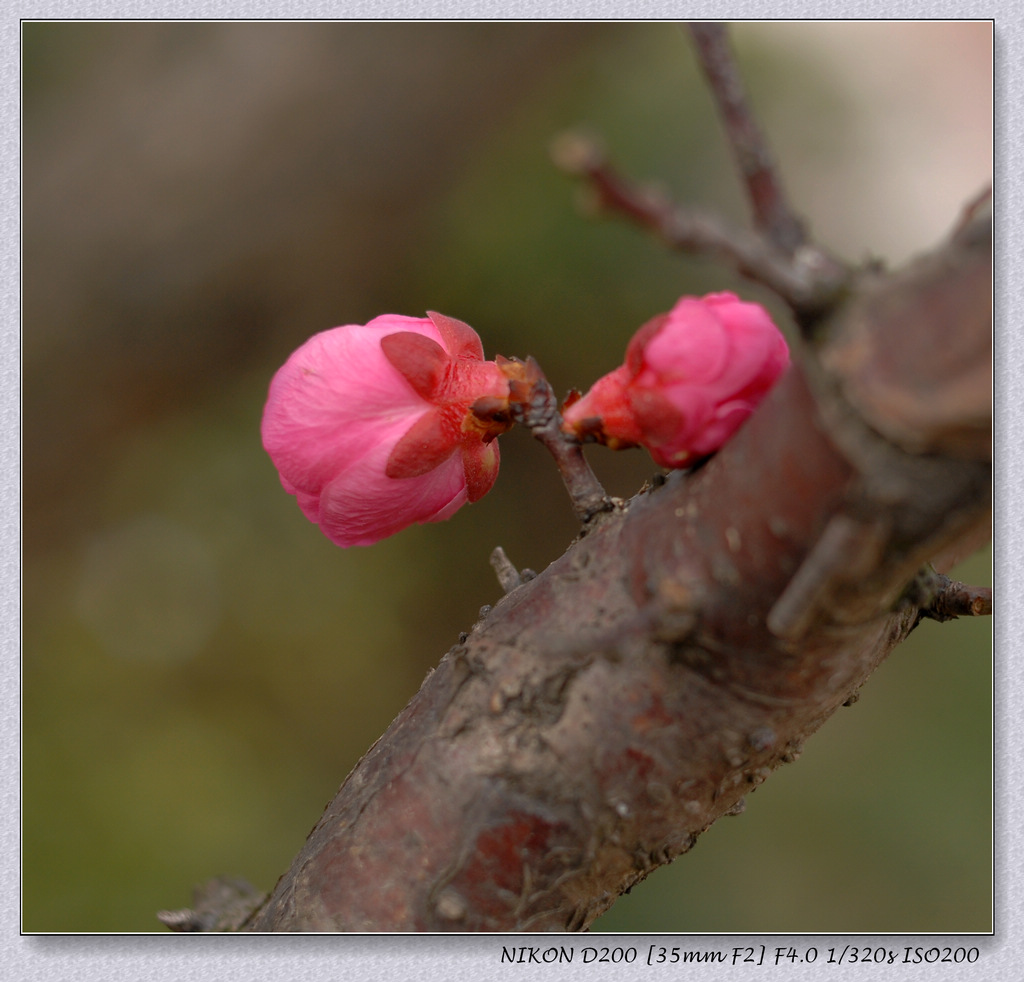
(533, 404)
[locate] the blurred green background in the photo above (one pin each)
(201, 667)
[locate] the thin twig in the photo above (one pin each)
(956, 599)
(534, 405)
(772, 213)
(222, 904)
(508, 576)
(809, 281)
(586, 492)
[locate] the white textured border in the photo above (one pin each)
(454, 959)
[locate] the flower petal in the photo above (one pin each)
(363, 505)
(335, 396)
(427, 444)
(459, 338)
(640, 340)
(692, 345)
(421, 361)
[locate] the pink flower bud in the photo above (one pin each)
(379, 426)
(691, 378)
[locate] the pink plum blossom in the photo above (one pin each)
(690, 379)
(379, 426)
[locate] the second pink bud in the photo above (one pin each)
(690, 379)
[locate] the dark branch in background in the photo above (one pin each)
(777, 254)
(773, 216)
(809, 281)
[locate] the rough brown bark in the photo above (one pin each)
(606, 712)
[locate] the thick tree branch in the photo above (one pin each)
(607, 711)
